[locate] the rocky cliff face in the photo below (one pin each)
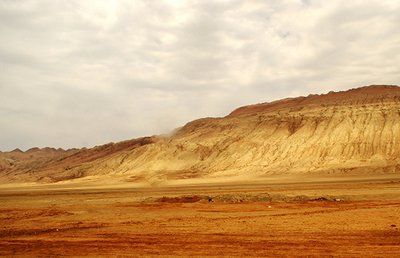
(356, 131)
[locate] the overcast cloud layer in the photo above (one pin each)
(83, 73)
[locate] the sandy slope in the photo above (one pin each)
(353, 132)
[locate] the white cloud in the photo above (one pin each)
(77, 73)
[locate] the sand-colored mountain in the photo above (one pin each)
(356, 131)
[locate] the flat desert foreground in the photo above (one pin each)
(354, 217)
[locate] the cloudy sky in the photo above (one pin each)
(82, 73)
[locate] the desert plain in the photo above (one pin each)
(307, 176)
(350, 216)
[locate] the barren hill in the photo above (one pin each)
(356, 131)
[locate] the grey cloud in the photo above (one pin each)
(81, 73)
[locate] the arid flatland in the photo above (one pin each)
(314, 218)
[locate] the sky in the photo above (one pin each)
(84, 73)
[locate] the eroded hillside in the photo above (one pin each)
(356, 131)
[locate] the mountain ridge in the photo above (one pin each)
(370, 91)
(354, 131)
